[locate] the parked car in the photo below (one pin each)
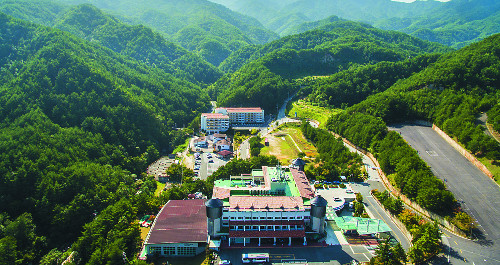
(336, 199)
(210, 161)
(225, 262)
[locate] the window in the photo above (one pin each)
(255, 217)
(255, 227)
(270, 228)
(169, 251)
(285, 218)
(240, 218)
(186, 251)
(153, 250)
(284, 227)
(225, 218)
(232, 217)
(292, 217)
(262, 217)
(247, 227)
(269, 218)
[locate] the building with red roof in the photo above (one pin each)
(223, 118)
(214, 122)
(270, 204)
(180, 229)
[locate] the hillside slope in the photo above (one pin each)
(138, 42)
(77, 83)
(211, 30)
(455, 23)
(337, 33)
(76, 120)
(265, 79)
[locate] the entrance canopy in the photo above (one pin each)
(362, 225)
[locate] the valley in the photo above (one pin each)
(103, 120)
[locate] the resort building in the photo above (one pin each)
(214, 122)
(242, 116)
(272, 205)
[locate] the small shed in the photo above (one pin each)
(299, 164)
(225, 153)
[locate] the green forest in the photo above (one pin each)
(92, 92)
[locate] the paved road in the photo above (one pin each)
(478, 194)
(206, 169)
(375, 210)
(244, 151)
(482, 120)
(334, 255)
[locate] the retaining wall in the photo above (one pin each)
(396, 192)
(462, 151)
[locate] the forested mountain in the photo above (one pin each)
(137, 42)
(450, 92)
(76, 119)
(295, 12)
(455, 23)
(77, 83)
(211, 30)
(355, 84)
(393, 45)
(266, 78)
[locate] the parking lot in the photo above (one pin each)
(208, 161)
(208, 164)
(335, 255)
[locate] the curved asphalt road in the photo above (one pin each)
(478, 194)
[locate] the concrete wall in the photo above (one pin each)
(462, 151)
(396, 192)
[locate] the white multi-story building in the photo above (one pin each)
(268, 206)
(242, 116)
(214, 122)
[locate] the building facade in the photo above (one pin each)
(272, 205)
(243, 116)
(214, 122)
(180, 229)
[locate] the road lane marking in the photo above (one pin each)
(399, 240)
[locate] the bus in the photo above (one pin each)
(255, 258)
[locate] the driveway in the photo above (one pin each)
(477, 194)
(206, 168)
(334, 255)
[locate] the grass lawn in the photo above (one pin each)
(159, 188)
(307, 110)
(283, 144)
(494, 169)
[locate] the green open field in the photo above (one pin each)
(494, 169)
(309, 111)
(286, 143)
